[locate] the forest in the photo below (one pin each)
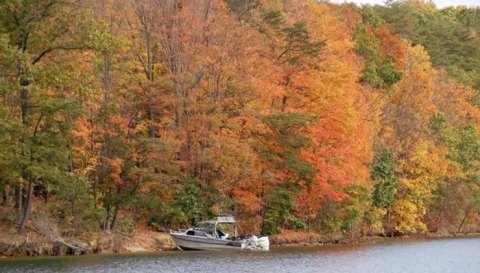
(298, 115)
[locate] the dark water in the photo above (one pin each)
(424, 256)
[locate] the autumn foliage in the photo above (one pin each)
(291, 115)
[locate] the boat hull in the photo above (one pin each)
(189, 242)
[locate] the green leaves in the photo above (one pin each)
(190, 206)
(11, 160)
(379, 70)
(274, 18)
(383, 173)
(465, 148)
(243, 8)
(388, 73)
(99, 38)
(280, 149)
(450, 35)
(298, 43)
(280, 201)
(285, 144)
(287, 122)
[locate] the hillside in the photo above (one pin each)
(292, 115)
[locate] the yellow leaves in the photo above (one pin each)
(423, 163)
(426, 161)
(419, 73)
(375, 217)
(408, 216)
(421, 172)
(422, 5)
(411, 106)
(418, 61)
(416, 87)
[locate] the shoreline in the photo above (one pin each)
(36, 245)
(372, 238)
(148, 241)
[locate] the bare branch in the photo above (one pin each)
(38, 124)
(51, 49)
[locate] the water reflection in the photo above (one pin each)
(425, 256)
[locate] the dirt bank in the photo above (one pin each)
(299, 238)
(33, 244)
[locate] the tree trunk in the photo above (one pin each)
(4, 197)
(151, 126)
(107, 60)
(390, 222)
(262, 215)
(463, 221)
(94, 193)
(149, 71)
(16, 194)
(106, 218)
(26, 207)
(45, 196)
(25, 103)
(284, 103)
(24, 197)
(25, 109)
(115, 215)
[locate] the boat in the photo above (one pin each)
(216, 235)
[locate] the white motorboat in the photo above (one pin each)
(217, 234)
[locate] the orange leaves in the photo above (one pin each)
(392, 46)
(454, 101)
(269, 108)
(116, 166)
(83, 159)
(246, 201)
(339, 159)
(119, 126)
(341, 139)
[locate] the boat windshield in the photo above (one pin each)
(226, 229)
(207, 227)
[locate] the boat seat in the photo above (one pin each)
(220, 233)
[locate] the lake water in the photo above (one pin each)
(411, 255)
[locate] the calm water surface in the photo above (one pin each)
(423, 256)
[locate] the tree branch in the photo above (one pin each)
(51, 49)
(38, 124)
(43, 14)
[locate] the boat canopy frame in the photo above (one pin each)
(212, 226)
